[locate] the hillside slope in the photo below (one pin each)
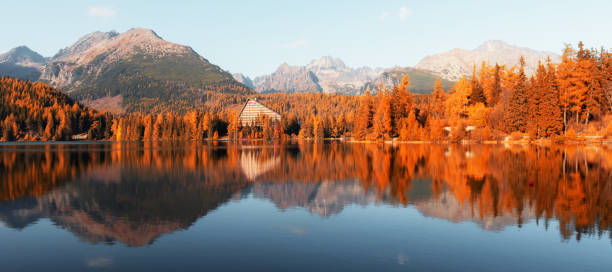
(454, 64)
(36, 111)
(145, 71)
(420, 81)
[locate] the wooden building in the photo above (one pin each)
(253, 110)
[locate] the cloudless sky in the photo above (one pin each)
(255, 37)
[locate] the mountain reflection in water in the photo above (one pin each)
(133, 193)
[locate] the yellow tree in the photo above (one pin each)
(363, 120)
(234, 126)
(402, 102)
(516, 113)
(383, 120)
(566, 77)
(457, 102)
(437, 99)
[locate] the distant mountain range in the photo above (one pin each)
(332, 75)
(137, 68)
(139, 71)
(326, 74)
(456, 63)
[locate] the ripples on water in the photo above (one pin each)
(133, 194)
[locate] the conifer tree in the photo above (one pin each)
(516, 114)
(457, 102)
(477, 95)
(437, 100)
(550, 112)
(363, 121)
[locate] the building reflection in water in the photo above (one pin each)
(133, 193)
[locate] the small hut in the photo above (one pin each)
(251, 112)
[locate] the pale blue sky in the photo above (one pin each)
(254, 37)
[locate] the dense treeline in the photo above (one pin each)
(571, 98)
(35, 111)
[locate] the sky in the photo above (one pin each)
(255, 37)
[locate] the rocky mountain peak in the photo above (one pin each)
(494, 45)
(454, 64)
(84, 43)
(22, 55)
(326, 62)
(245, 80)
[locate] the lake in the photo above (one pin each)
(304, 206)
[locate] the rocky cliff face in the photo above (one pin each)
(327, 74)
(456, 63)
(335, 77)
(245, 80)
(288, 79)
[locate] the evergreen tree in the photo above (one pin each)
(477, 95)
(518, 109)
(437, 99)
(363, 121)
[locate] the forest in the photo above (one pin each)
(571, 100)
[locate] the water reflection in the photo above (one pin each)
(133, 193)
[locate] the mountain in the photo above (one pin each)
(327, 74)
(420, 81)
(21, 62)
(288, 79)
(335, 77)
(137, 69)
(331, 75)
(454, 64)
(245, 80)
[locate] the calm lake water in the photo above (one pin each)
(304, 207)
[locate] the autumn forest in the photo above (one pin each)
(571, 100)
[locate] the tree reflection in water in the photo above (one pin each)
(134, 192)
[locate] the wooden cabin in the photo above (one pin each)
(252, 110)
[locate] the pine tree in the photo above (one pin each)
(567, 80)
(318, 128)
(234, 126)
(363, 121)
(402, 102)
(550, 112)
(9, 128)
(148, 128)
(477, 95)
(383, 124)
(457, 102)
(437, 99)
(516, 114)
(50, 125)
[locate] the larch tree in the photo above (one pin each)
(477, 94)
(566, 79)
(402, 102)
(437, 99)
(363, 120)
(516, 114)
(382, 123)
(550, 112)
(457, 102)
